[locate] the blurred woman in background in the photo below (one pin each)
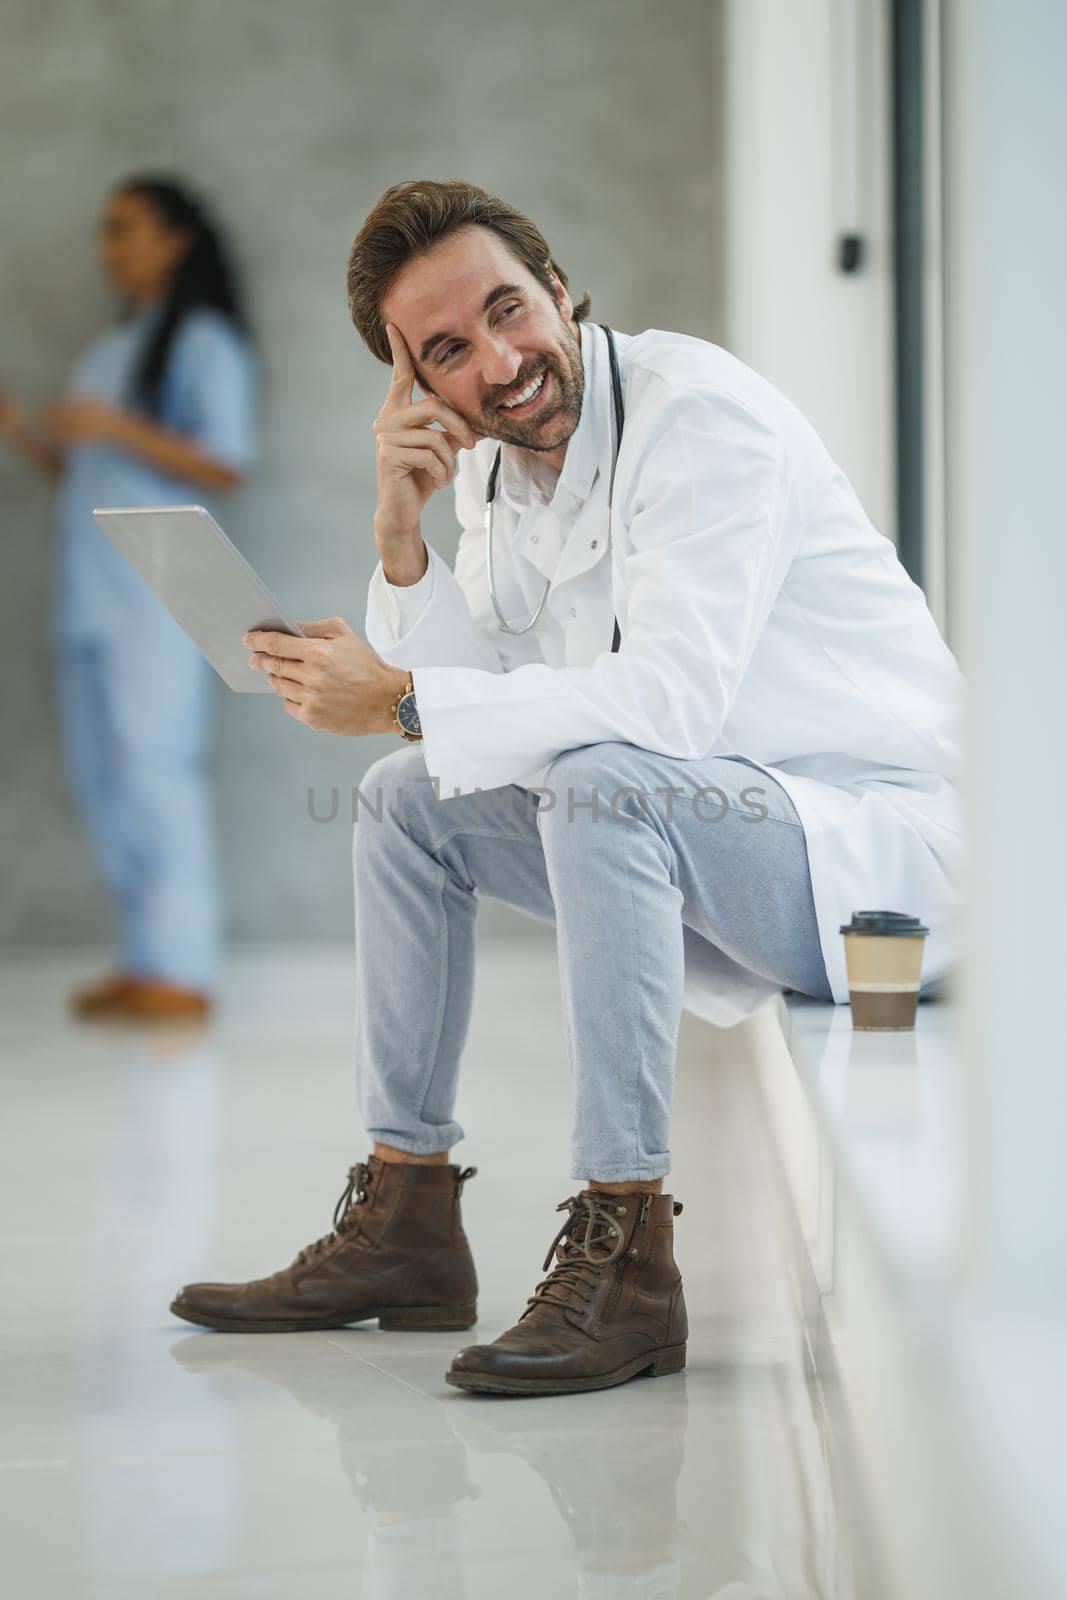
(158, 410)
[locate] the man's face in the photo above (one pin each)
(482, 330)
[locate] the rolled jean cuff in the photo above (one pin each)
(596, 1172)
(429, 1144)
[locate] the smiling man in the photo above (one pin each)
(677, 696)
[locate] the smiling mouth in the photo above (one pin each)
(527, 397)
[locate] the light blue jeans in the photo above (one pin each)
(624, 848)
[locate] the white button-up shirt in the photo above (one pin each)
(762, 615)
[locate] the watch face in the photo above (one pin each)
(407, 714)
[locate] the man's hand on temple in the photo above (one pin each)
(332, 680)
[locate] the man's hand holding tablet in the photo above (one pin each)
(331, 680)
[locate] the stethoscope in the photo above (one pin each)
(490, 496)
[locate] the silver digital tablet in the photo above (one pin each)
(203, 580)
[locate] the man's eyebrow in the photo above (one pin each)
(499, 293)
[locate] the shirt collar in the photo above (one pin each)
(520, 481)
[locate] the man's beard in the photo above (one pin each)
(543, 431)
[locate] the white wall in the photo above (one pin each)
(1006, 412)
(1007, 416)
(807, 156)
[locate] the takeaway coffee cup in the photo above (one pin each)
(884, 957)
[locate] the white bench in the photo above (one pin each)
(867, 1130)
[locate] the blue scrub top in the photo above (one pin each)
(208, 394)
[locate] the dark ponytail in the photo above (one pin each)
(205, 277)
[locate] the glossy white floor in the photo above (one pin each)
(142, 1458)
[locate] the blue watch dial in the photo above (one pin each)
(407, 714)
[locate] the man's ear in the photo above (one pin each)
(563, 299)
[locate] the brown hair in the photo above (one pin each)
(409, 220)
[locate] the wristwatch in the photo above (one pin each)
(406, 713)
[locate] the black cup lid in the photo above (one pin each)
(883, 922)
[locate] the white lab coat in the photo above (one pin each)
(762, 615)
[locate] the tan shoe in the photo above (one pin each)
(612, 1306)
(153, 998)
(124, 994)
(98, 998)
(398, 1254)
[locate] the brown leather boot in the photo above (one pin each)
(610, 1308)
(398, 1253)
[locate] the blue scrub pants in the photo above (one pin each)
(135, 716)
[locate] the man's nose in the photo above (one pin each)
(500, 363)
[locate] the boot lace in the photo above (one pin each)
(345, 1218)
(588, 1241)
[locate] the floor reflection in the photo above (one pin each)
(614, 1486)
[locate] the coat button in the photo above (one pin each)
(573, 612)
(534, 538)
(593, 543)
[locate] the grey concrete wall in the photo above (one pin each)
(602, 120)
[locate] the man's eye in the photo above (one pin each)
(447, 354)
(449, 351)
